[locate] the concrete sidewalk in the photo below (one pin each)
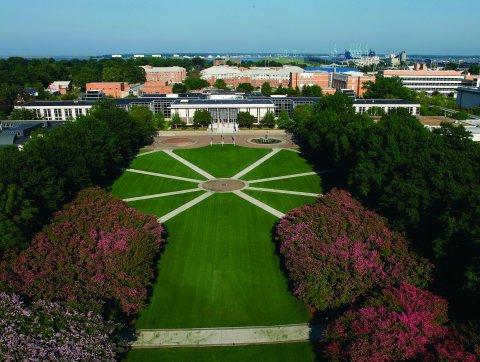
(229, 336)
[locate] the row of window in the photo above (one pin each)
(58, 113)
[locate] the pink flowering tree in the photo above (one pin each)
(336, 251)
(47, 331)
(399, 324)
(97, 254)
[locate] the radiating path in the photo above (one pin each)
(184, 207)
(163, 175)
(197, 337)
(288, 192)
(256, 163)
(147, 153)
(154, 196)
(189, 164)
(260, 204)
(282, 177)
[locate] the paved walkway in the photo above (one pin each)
(163, 175)
(164, 194)
(282, 177)
(189, 164)
(260, 204)
(184, 207)
(256, 163)
(288, 192)
(196, 337)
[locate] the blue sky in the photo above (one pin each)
(88, 27)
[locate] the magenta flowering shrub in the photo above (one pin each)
(336, 251)
(97, 254)
(47, 331)
(400, 324)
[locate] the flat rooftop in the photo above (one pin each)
(383, 102)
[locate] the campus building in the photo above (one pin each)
(186, 104)
(109, 89)
(468, 97)
(256, 76)
(321, 79)
(422, 79)
(222, 110)
(154, 87)
(384, 106)
(59, 87)
(165, 75)
(351, 81)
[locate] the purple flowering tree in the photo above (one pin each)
(48, 331)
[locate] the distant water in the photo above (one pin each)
(331, 69)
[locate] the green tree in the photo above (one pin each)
(202, 118)
(474, 69)
(388, 88)
(312, 91)
(22, 113)
(451, 66)
(284, 121)
(195, 82)
(268, 120)
(245, 87)
(245, 119)
(176, 121)
(159, 121)
(220, 84)
(266, 89)
(179, 88)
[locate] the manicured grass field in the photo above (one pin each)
(134, 184)
(270, 352)
(222, 161)
(162, 163)
(281, 202)
(283, 163)
(163, 205)
(218, 263)
(312, 183)
(219, 267)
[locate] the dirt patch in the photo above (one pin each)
(223, 185)
(179, 141)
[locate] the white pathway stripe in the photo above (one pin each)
(256, 163)
(184, 207)
(282, 177)
(196, 337)
(163, 175)
(154, 196)
(147, 153)
(260, 204)
(288, 192)
(189, 164)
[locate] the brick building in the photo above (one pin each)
(152, 87)
(110, 89)
(166, 75)
(354, 81)
(59, 87)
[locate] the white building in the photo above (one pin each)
(222, 110)
(421, 79)
(58, 110)
(380, 106)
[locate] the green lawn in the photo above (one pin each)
(222, 161)
(281, 202)
(283, 163)
(162, 163)
(302, 352)
(312, 183)
(134, 184)
(218, 263)
(163, 205)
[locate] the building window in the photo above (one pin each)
(47, 113)
(78, 112)
(57, 112)
(68, 113)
